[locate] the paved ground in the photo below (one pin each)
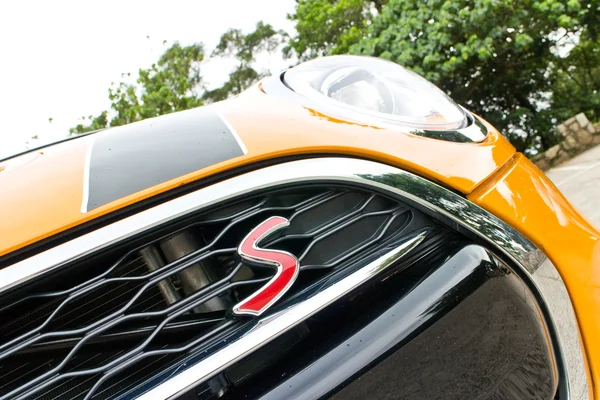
(579, 180)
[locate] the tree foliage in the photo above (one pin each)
(327, 27)
(172, 84)
(244, 48)
(576, 86)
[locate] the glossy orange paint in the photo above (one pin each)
(524, 197)
(274, 127)
(41, 194)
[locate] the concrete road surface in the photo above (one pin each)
(579, 180)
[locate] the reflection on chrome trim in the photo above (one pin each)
(442, 203)
(555, 295)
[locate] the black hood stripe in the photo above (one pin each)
(127, 159)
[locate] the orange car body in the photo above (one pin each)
(42, 191)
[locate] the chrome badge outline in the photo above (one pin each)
(287, 265)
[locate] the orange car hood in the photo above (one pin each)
(57, 188)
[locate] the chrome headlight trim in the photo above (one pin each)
(374, 91)
(474, 132)
(442, 203)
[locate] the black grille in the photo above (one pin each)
(100, 327)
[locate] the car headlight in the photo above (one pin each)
(375, 92)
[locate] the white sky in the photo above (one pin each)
(58, 58)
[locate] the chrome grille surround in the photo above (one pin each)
(436, 200)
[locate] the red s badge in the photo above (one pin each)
(287, 268)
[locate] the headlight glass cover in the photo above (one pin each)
(375, 92)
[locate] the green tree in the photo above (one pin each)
(91, 123)
(172, 84)
(327, 27)
(244, 48)
(493, 56)
(576, 82)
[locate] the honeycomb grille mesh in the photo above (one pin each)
(100, 328)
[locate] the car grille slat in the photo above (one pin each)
(132, 353)
(97, 323)
(366, 243)
(113, 371)
(58, 328)
(146, 371)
